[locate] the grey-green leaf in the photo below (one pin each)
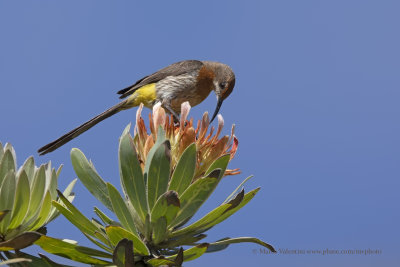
(195, 196)
(107, 220)
(228, 212)
(90, 178)
(160, 230)
(19, 242)
(123, 253)
(20, 204)
(7, 164)
(158, 175)
(160, 139)
(202, 223)
(3, 214)
(75, 216)
(219, 163)
(44, 212)
(131, 175)
(184, 170)
(116, 233)
(68, 194)
(29, 168)
(37, 193)
(7, 193)
(192, 253)
(121, 210)
(167, 205)
(1, 151)
(229, 241)
(72, 251)
(232, 195)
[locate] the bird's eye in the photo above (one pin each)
(222, 85)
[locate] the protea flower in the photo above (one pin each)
(166, 175)
(25, 199)
(209, 147)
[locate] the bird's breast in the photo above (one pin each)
(193, 87)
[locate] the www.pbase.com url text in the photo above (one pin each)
(322, 252)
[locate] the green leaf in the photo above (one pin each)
(158, 175)
(10, 147)
(127, 129)
(98, 224)
(3, 213)
(37, 193)
(103, 216)
(187, 240)
(203, 222)
(237, 189)
(44, 212)
(121, 210)
(20, 204)
(179, 258)
(123, 254)
(192, 253)
(184, 170)
(160, 261)
(68, 190)
(59, 170)
(68, 194)
(7, 193)
(90, 178)
(116, 234)
(19, 242)
(106, 247)
(197, 228)
(7, 164)
(243, 240)
(49, 262)
(29, 168)
(76, 217)
(219, 163)
(212, 219)
(36, 261)
(167, 205)
(147, 228)
(72, 251)
(131, 175)
(195, 196)
(160, 139)
(53, 184)
(1, 151)
(215, 248)
(247, 197)
(160, 230)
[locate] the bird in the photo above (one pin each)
(187, 80)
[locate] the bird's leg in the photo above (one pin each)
(174, 114)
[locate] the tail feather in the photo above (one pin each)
(82, 128)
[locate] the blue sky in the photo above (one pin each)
(316, 107)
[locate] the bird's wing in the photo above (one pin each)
(175, 69)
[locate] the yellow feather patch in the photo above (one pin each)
(145, 94)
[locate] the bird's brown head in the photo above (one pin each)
(224, 81)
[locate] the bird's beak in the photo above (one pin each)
(219, 103)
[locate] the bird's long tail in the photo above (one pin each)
(83, 128)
